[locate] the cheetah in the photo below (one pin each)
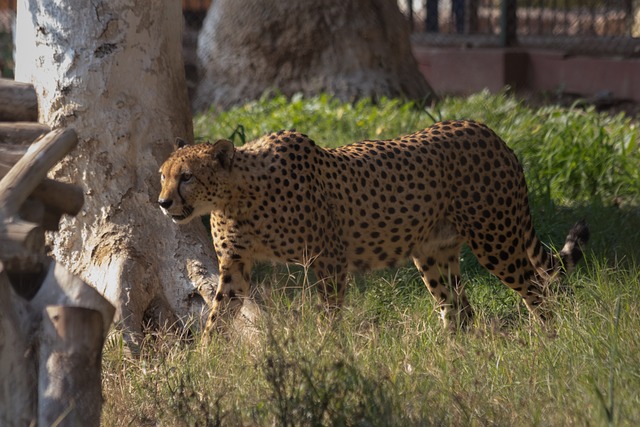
(366, 206)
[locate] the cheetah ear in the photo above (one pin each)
(179, 143)
(223, 150)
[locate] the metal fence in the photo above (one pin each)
(577, 26)
(594, 26)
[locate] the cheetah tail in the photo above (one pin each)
(576, 240)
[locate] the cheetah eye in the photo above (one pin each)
(186, 177)
(161, 177)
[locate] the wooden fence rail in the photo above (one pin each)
(52, 324)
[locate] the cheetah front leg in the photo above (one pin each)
(233, 288)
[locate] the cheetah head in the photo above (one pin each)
(194, 179)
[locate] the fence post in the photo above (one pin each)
(629, 17)
(508, 23)
(471, 16)
(410, 14)
(431, 24)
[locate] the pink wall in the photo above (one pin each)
(468, 70)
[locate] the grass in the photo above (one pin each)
(387, 361)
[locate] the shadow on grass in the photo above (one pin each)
(614, 229)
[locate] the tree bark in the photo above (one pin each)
(113, 71)
(350, 48)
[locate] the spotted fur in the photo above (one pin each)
(365, 206)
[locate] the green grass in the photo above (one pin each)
(387, 361)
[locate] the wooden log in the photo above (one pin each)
(21, 133)
(59, 196)
(32, 168)
(70, 367)
(22, 252)
(51, 220)
(66, 368)
(29, 235)
(32, 210)
(66, 198)
(60, 287)
(18, 380)
(19, 240)
(19, 102)
(9, 156)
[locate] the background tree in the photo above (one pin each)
(350, 48)
(113, 71)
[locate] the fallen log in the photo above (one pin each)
(22, 244)
(9, 156)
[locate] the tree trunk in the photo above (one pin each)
(112, 70)
(350, 48)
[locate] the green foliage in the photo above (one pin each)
(326, 120)
(569, 154)
(581, 155)
(386, 360)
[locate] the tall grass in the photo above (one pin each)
(386, 360)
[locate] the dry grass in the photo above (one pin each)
(387, 361)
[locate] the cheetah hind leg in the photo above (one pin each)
(440, 271)
(517, 272)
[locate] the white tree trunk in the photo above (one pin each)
(113, 71)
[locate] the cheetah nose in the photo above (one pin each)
(165, 203)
